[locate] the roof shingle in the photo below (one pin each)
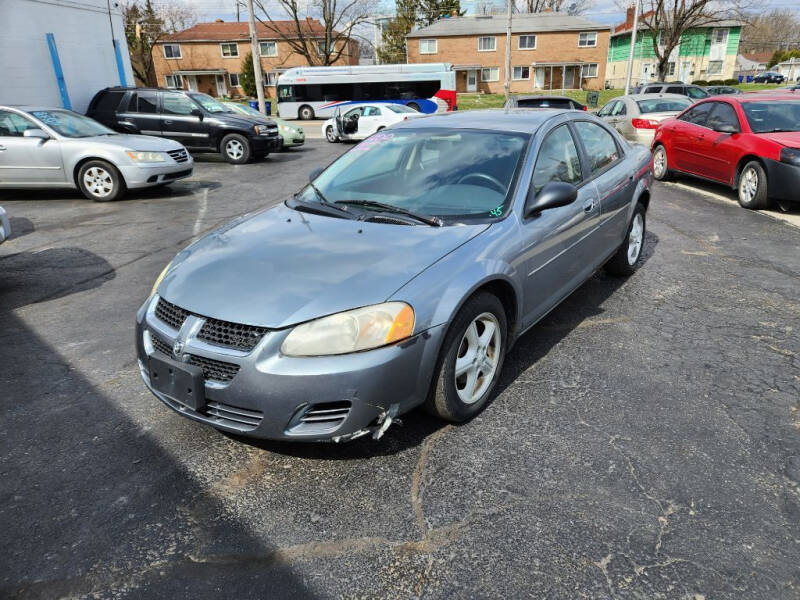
(219, 31)
(520, 23)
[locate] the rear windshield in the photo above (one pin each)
(544, 103)
(771, 116)
(662, 105)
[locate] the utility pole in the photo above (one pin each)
(633, 47)
(256, 58)
(508, 51)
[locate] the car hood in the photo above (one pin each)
(785, 138)
(280, 267)
(133, 142)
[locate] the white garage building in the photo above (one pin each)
(61, 52)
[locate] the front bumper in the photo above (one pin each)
(293, 139)
(783, 180)
(276, 397)
(146, 175)
(266, 143)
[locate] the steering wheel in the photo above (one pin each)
(493, 180)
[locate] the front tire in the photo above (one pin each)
(306, 113)
(626, 260)
(236, 149)
(100, 181)
(752, 186)
(660, 164)
(330, 135)
(470, 361)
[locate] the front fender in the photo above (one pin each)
(73, 159)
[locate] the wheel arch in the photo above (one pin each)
(740, 165)
(226, 132)
(83, 160)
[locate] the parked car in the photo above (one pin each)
(198, 121)
(769, 77)
(638, 116)
(363, 119)
(399, 276)
(538, 101)
(721, 90)
(5, 226)
(291, 134)
(53, 147)
(694, 92)
(750, 142)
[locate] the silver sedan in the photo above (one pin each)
(399, 276)
(637, 116)
(54, 147)
(5, 226)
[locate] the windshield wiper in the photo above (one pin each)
(322, 208)
(428, 220)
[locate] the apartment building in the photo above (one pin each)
(549, 51)
(706, 53)
(208, 57)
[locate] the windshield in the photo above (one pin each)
(695, 92)
(764, 117)
(211, 105)
(70, 124)
(450, 173)
(399, 108)
(662, 105)
(248, 110)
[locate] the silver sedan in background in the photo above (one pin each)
(5, 226)
(637, 116)
(54, 147)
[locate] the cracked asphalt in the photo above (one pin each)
(644, 441)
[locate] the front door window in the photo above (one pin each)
(472, 81)
(222, 88)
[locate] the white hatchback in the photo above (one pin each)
(363, 119)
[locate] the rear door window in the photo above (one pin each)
(109, 101)
(147, 102)
(601, 148)
(676, 89)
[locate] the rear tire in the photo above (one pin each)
(476, 345)
(752, 187)
(306, 113)
(660, 165)
(330, 135)
(236, 149)
(100, 181)
(626, 260)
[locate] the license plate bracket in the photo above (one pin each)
(179, 381)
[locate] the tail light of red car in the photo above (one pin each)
(645, 123)
(584, 107)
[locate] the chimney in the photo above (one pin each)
(548, 9)
(218, 21)
(629, 16)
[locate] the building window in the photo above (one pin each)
(271, 79)
(715, 67)
(268, 48)
(527, 42)
(589, 70)
(428, 47)
(486, 44)
(172, 50)
(321, 47)
(230, 50)
(671, 68)
(521, 73)
(490, 73)
(720, 36)
(234, 77)
(587, 39)
(174, 81)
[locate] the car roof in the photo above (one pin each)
(651, 96)
(522, 120)
(756, 97)
(541, 97)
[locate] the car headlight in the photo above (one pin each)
(351, 331)
(791, 156)
(286, 129)
(137, 156)
(261, 129)
(159, 279)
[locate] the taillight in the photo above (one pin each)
(644, 124)
(584, 108)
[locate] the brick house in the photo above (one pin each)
(548, 51)
(208, 57)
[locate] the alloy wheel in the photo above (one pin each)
(477, 358)
(98, 181)
(635, 239)
(330, 135)
(234, 149)
(659, 162)
(748, 185)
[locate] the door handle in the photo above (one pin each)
(589, 206)
(2, 148)
(167, 122)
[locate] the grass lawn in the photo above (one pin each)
(476, 101)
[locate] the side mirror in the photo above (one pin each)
(36, 133)
(315, 173)
(197, 113)
(552, 195)
(726, 128)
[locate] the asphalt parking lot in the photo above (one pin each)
(644, 441)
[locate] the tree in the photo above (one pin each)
(777, 29)
(247, 77)
(145, 26)
(571, 7)
(340, 23)
(393, 41)
(781, 55)
(668, 20)
(430, 11)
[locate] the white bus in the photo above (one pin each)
(316, 92)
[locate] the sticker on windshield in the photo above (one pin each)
(496, 211)
(373, 141)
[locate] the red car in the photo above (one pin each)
(750, 142)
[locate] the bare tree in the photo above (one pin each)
(668, 20)
(777, 29)
(571, 7)
(341, 23)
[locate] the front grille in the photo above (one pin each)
(185, 173)
(161, 345)
(214, 370)
(231, 335)
(179, 155)
(243, 419)
(172, 315)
